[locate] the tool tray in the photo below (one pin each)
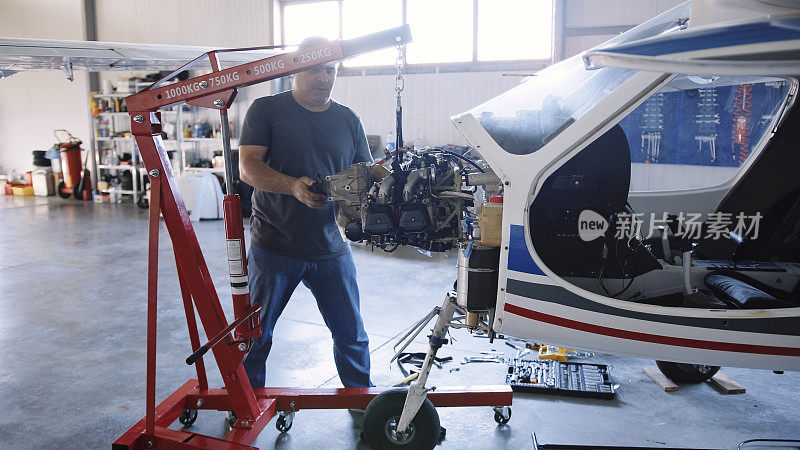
(565, 378)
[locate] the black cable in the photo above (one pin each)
(600, 279)
(625, 289)
(460, 157)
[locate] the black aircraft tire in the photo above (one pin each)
(686, 373)
(385, 409)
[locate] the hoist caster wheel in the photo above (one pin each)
(188, 416)
(382, 415)
(230, 418)
(284, 423)
(502, 414)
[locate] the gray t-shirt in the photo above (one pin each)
(301, 143)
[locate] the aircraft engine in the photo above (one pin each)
(421, 202)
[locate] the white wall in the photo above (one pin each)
(213, 23)
(33, 104)
(428, 102)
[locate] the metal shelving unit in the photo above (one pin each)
(189, 150)
(108, 128)
(193, 149)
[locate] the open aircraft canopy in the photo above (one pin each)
(768, 46)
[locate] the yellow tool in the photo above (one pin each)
(555, 353)
(561, 354)
(407, 380)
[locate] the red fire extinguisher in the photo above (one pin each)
(76, 180)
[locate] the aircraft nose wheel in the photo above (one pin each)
(396, 437)
(502, 414)
(382, 415)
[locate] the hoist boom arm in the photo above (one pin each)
(220, 82)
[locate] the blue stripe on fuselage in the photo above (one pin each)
(519, 259)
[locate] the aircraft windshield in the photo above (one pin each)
(525, 118)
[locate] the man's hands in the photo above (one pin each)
(255, 172)
(301, 191)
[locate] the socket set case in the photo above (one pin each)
(554, 377)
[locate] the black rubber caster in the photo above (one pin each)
(382, 415)
(230, 419)
(188, 416)
(284, 422)
(502, 414)
(686, 373)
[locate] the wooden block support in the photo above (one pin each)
(660, 379)
(725, 385)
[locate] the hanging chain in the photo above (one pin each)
(399, 65)
(399, 85)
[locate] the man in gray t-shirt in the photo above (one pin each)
(286, 140)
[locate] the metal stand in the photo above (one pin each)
(417, 392)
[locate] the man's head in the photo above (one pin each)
(313, 87)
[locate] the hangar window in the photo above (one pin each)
(444, 31)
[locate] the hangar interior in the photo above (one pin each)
(74, 274)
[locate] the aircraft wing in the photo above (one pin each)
(765, 47)
(46, 54)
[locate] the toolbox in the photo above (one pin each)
(556, 377)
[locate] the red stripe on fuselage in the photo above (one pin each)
(647, 337)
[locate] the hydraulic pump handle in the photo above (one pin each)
(221, 335)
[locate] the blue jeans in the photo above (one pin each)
(273, 278)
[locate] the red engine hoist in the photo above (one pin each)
(229, 342)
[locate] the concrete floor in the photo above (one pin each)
(72, 349)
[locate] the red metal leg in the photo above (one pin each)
(152, 307)
(272, 400)
(165, 413)
(357, 398)
(191, 322)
